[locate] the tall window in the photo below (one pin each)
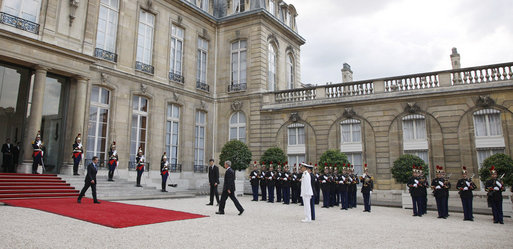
(355, 158)
(238, 127)
(272, 7)
(488, 134)
(98, 124)
(145, 37)
(172, 132)
(238, 6)
(351, 141)
(107, 25)
(289, 20)
(290, 71)
(177, 35)
(201, 75)
(203, 4)
(239, 62)
(139, 125)
(25, 9)
(414, 136)
(296, 149)
(272, 67)
(199, 143)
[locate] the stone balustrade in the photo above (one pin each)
(414, 82)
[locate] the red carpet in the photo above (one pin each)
(111, 214)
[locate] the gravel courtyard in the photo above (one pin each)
(263, 225)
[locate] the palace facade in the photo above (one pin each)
(184, 77)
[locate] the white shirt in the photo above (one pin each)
(306, 184)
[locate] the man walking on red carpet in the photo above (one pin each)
(90, 180)
(229, 189)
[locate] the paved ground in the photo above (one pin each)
(263, 225)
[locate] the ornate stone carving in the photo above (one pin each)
(294, 117)
(180, 19)
(349, 112)
(237, 34)
(485, 101)
(73, 5)
(412, 107)
(176, 97)
(237, 106)
(203, 105)
(149, 4)
(104, 78)
(144, 88)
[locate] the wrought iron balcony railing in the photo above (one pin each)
(106, 55)
(237, 87)
(200, 168)
(19, 23)
(203, 86)
(144, 67)
(176, 77)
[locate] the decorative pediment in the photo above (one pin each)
(349, 112)
(294, 117)
(412, 107)
(237, 106)
(485, 101)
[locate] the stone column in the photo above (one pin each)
(34, 119)
(77, 125)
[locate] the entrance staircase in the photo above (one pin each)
(20, 186)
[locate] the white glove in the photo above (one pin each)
(416, 181)
(370, 192)
(252, 177)
(468, 184)
(440, 183)
(415, 185)
(438, 187)
(465, 188)
(496, 188)
(498, 184)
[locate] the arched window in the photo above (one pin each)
(296, 149)
(272, 67)
(290, 71)
(351, 142)
(98, 124)
(488, 134)
(238, 127)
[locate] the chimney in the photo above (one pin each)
(455, 59)
(347, 74)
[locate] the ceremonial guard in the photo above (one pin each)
(263, 182)
(344, 182)
(8, 158)
(286, 184)
(424, 185)
(270, 177)
(414, 188)
(37, 155)
(317, 185)
(465, 186)
(253, 179)
(278, 183)
(495, 187)
(306, 192)
(367, 187)
(309, 168)
(333, 186)
(113, 161)
(140, 161)
(439, 185)
(295, 183)
(325, 187)
(354, 188)
(164, 171)
(78, 150)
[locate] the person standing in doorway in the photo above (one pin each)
(213, 180)
(7, 152)
(140, 161)
(78, 150)
(229, 189)
(113, 161)
(37, 155)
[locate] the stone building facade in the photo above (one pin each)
(186, 76)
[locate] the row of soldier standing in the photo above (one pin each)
(338, 185)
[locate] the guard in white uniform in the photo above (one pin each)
(306, 191)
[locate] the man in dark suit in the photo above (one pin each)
(213, 179)
(90, 180)
(229, 189)
(7, 151)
